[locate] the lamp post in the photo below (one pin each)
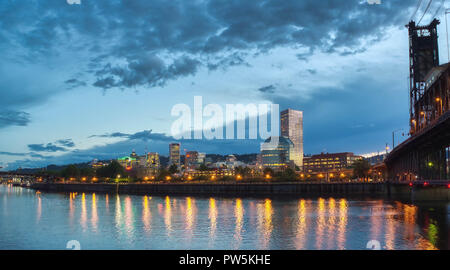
(393, 137)
(447, 11)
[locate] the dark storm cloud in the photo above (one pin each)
(348, 117)
(151, 71)
(46, 148)
(12, 154)
(312, 71)
(58, 146)
(13, 118)
(267, 89)
(140, 141)
(31, 154)
(146, 135)
(66, 142)
(215, 33)
(74, 83)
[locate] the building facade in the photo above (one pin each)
(141, 166)
(191, 160)
(292, 128)
(278, 157)
(174, 154)
(329, 162)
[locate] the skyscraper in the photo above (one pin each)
(292, 128)
(174, 154)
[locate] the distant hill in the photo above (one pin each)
(164, 160)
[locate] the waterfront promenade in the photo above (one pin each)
(403, 191)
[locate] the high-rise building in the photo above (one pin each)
(174, 154)
(152, 163)
(292, 128)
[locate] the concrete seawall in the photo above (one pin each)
(222, 189)
(384, 190)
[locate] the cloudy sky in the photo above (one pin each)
(99, 79)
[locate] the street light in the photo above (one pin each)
(393, 136)
(439, 100)
(415, 124)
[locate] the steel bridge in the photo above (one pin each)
(425, 155)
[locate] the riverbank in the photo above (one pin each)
(219, 188)
(384, 190)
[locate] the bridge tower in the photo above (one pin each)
(423, 56)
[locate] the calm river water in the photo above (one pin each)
(33, 220)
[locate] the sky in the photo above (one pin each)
(100, 78)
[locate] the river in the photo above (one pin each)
(30, 219)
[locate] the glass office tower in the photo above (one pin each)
(292, 128)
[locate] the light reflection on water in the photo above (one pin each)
(34, 220)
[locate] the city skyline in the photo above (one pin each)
(199, 132)
(95, 94)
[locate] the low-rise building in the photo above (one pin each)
(144, 166)
(329, 162)
(279, 156)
